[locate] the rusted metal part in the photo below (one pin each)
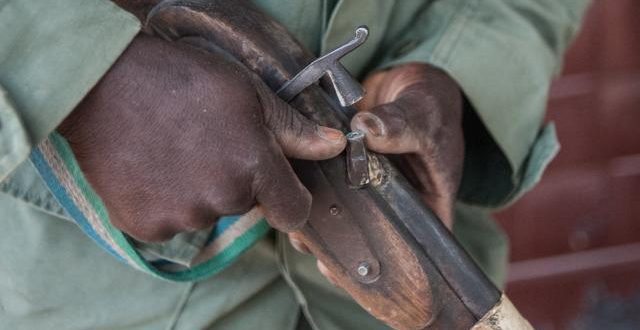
(347, 89)
(357, 160)
(396, 279)
(377, 172)
(417, 276)
(333, 229)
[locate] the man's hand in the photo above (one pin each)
(172, 138)
(414, 111)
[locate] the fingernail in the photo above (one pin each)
(373, 125)
(330, 134)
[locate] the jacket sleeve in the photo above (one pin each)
(51, 55)
(504, 55)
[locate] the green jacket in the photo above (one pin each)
(502, 53)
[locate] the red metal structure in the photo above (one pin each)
(575, 239)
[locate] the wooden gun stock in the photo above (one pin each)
(386, 249)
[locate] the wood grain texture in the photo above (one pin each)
(504, 316)
(403, 287)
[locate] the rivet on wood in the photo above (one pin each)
(334, 210)
(363, 269)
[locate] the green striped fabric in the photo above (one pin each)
(54, 160)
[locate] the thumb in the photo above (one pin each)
(298, 136)
(388, 129)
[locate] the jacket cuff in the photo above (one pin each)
(14, 143)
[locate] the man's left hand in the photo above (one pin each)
(414, 111)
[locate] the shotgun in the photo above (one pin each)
(367, 225)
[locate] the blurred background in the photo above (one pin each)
(575, 239)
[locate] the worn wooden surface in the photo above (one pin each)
(403, 287)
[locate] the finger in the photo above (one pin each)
(326, 273)
(298, 136)
(285, 202)
(389, 128)
(296, 242)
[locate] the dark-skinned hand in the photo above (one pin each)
(414, 111)
(172, 138)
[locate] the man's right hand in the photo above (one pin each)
(172, 138)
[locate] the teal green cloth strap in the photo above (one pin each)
(54, 160)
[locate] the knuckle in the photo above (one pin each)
(280, 118)
(393, 119)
